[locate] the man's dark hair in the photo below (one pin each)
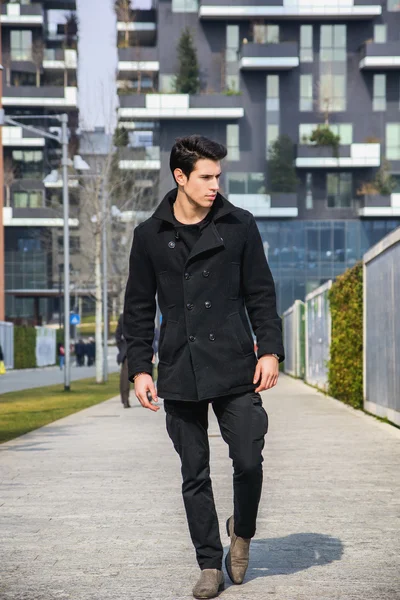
(188, 150)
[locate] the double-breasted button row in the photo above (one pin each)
(207, 304)
(211, 337)
(189, 306)
(187, 275)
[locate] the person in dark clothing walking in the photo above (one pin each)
(205, 260)
(124, 384)
(80, 353)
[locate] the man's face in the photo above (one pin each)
(203, 184)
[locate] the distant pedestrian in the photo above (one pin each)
(61, 355)
(80, 353)
(124, 385)
(91, 352)
(204, 259)
(2, 366)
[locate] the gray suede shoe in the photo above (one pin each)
(210, 583)
(237, 559)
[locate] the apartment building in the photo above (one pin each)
(270, 69)
(39, 58)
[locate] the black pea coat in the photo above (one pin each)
(206, 347)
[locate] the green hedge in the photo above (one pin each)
(24, 347)
(345, 374)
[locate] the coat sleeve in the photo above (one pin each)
(139, 308)
(260, 297)
(118, 333)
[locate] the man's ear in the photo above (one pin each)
(180, 176)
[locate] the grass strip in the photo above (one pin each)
(27, 410)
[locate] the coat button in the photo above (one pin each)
(211, 337)
(206, 273)
(190, 306)
(207, 304)
(171, 244)
(192, 338)
(187, 275)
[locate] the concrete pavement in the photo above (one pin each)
(90, 506)
(24, 379)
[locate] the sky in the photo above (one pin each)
(97, 63)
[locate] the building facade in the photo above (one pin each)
(39, 58)
(271, 69)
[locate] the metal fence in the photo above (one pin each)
(382, 328)
(318, 336)
(7, 343)
(294, 339)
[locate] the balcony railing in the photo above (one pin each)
(138, 59)
(47, 96)
(278, 9)
(352, 155)
(380, 56)
(25, 14)
(181, 106)
(279, 56)
(267, 205)
(56, 58)
(376, 205)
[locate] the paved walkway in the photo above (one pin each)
(25, 379)
(90, 507)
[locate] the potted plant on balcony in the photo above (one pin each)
(188, 75)
(282, 178)
(324, 136)
(377, 192)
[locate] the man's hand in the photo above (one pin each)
(144, 384)
(266, 373)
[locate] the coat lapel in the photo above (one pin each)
(209, 240)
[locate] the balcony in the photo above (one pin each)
(16, 137)
(29, 15)
(131, 60)
(281, 56)
(267, 205)
(57, 59)
(46, 96)
(352, 155)
(380, 206)
(60, 4)
(316, 10)
(142, 24)
(35, 217)
(380, 56)
(180, 106)
(144, 159)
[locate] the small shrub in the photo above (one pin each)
(24, 347)
(345, 367)
(324, 136)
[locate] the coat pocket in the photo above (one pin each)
(245, 341)
(234, 284)
(167, 346)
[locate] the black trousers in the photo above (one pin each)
(124, 385)
(243, 423)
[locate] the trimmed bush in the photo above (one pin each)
(24, 347)
(345, 368)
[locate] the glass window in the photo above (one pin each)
(380, 34)
(256, 183)
(393, 5)
(232, 142)
(379, 99)
(305, 130)
(28, 164)
(332, 93)
(333, 43)
(232, 37)
(167, 83)
(31, 199)
(306, 43)
(393, 141)
(188, 6)
(272, 93)
(339, 189)
(306, 92)
(266, 34)
(272, 135)
(236, 183)
(309, 191)
(232, 82)
(245, 183)
(345, 131)
(21, 44)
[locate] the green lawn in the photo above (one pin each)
(26, 410)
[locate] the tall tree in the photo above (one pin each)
(188, 75)
(281, 170)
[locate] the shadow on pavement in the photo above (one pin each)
(293, 553)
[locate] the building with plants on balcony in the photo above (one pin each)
(305, 95)
(39, 58)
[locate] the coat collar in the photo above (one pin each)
(163, 212)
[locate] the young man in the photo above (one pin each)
(205, 260)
